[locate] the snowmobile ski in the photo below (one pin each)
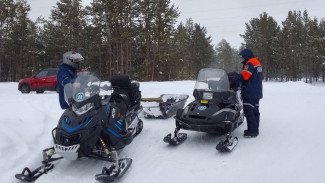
(29, 176)
(112, 173)
(228, 144)
(177, 139)
(33, 175)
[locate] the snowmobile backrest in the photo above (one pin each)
(121, 82)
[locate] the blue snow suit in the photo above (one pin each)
(65, 75)
(251, 90)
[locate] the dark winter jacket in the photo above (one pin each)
(250, 77)
(65, 75)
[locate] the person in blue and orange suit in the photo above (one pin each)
(250, 79)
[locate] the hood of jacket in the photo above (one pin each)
(246, 54)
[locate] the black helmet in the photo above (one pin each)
(73, 59)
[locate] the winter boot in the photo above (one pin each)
(250, 133)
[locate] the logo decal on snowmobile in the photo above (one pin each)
(80, 97)
(67, 120)
(202, 108)
(113, 113)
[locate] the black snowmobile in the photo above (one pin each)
(98, 124)
(217, 109)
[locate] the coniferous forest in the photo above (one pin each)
(142, 38)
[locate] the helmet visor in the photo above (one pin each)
(76, 58)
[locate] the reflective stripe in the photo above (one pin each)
(64, 80)
(224, 110)
(114, 133)
(249, 104)
(254, 61)
(259, 69)
(118, 127)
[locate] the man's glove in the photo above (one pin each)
(232, 80)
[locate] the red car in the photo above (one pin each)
(45, 80)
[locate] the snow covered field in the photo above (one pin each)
(290, 147)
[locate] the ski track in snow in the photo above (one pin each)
(290, 146)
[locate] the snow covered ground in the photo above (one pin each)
(290, 147)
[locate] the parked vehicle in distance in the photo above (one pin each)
(45, 80)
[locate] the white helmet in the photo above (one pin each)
(73, 59)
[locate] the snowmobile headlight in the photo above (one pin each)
(82, 110)
(207, 96)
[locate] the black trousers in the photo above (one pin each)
(252, 114)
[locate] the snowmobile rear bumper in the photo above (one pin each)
(220, 127)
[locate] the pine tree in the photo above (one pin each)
(164, 19)
(64, 31)
(292, 27)
(322, 45)
(227, 57)
(18, 43)
(261, 36)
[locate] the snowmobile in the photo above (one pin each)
(164, 106)
(217, 109)
(101, 120)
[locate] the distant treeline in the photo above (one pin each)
(290, 52)
(140, 38)
(135, 37)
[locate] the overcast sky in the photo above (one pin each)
(224, 19)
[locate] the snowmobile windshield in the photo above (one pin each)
(210, 79)
(83, 92)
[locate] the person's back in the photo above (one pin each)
(67, 73)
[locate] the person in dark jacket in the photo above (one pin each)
(250, 79)
(67, 73)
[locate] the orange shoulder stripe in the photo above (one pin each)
(254, 61)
